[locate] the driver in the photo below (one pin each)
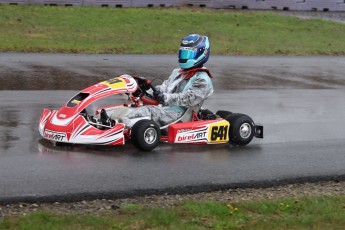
(186, 87)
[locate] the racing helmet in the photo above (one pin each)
(194, 51)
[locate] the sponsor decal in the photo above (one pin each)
(215, 132)
(183, 130)
(75, 101)
(60, 137)
(188, 48)
(192, 136)
(115, 83)
(219, 132)
(63, 115)
(186, 42)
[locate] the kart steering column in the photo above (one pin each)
(145, 85)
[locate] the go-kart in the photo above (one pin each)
(74, 124)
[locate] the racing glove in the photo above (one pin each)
(159, 95)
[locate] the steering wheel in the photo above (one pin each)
(144, 85)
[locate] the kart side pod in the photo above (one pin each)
(200, 132)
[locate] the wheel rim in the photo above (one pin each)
(245, 130)
(150, 135)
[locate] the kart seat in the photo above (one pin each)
(187, 116)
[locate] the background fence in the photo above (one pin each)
(307, 5)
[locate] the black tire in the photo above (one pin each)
(223, 113)
(145, 135)
(242, 129)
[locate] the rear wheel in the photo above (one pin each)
(242, 129)
(223, 113)
(145, 135)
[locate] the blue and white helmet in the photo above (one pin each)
(194, 51)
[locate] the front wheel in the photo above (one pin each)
(145, 135)
(242, 129)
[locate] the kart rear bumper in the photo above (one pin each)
(259, 131)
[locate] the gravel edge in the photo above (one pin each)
(108, 207)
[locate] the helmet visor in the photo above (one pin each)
(187, 54)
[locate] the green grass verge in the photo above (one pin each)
(325, 212)
(159, 30)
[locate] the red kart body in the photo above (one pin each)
(70, 125)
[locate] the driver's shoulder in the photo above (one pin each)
(202, 76)
(176, 72)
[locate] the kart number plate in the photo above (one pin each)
(55, 136)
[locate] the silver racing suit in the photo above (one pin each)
(179, 94)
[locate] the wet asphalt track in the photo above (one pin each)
(299, 100)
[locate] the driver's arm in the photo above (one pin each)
(200, 89)
(164, 86)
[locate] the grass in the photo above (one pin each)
(159, 30)
(326, 212)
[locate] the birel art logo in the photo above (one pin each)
(54, 136)
(191, 137)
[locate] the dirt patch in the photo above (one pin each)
(332, 16)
